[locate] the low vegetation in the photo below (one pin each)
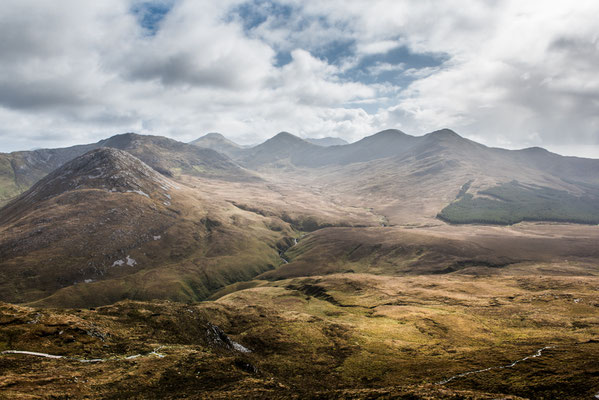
(353, 336)
(513, 202)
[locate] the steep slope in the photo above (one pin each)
(174, 158)
(20, 170)
(106, 227)
(104, 168)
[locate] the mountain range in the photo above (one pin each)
(401, 266)
(148, 192)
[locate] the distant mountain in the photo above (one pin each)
(387, 143)
(327, 141)
(20, 170)
(218, 142)
(417, 175)
(439, 146)
(281, 149)
(290, 149)
(420, 176)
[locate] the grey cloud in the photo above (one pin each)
(40, 96)
(577, 47)
(183, 69)
(73, 72)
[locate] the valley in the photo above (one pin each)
(398, 266)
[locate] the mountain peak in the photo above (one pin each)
(104, 168)
(216, 141)
(285, 136)
(447, 138)
(121, 140)
(219, 143)
(286, 139)
(385, 136)
(390, 132)
(214, 135)
(536, 149)
(444, 133)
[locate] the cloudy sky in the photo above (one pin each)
(505, 73)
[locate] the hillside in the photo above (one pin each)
(109, 169)
(510, 203)
(105, 227)
(408, 179)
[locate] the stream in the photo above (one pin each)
(535, 355)
(282, 252)
(86, 360)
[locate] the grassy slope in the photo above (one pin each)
(200, 246)
(400, 251)
(512, 202)
(347, 335)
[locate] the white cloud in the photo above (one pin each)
(380, 67)
(378, 47)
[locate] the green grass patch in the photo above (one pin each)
(513, 202)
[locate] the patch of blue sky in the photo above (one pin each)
(255, 12)
(282, 58)
(149, 14)
(335, 52)
(396, 67)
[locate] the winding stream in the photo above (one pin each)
(282, 252)
(535, 355)
(86, 360)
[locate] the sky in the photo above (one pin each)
(510, 74)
